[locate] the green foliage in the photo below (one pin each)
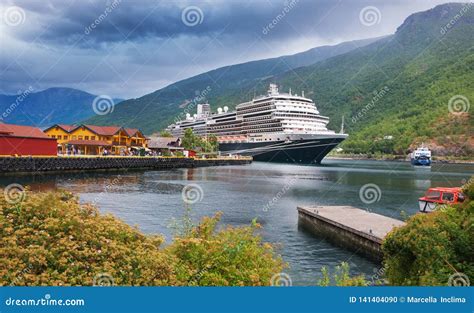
(193, 142)
(228, 257)
(52, 239)
(431, 247)
(189, 140)
(468, 188)
(341, 277)
(165, 133)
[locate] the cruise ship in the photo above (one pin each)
(276, 127)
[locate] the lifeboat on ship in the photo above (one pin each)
(436, 197)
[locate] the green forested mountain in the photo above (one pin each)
(397, 87)
(156, 110)
(422, 66)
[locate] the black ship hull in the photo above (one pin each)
(306, 151)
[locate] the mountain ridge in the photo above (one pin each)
(162, 105)
(48, 106)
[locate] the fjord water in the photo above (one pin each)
(269, 192)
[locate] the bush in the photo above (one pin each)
(229, 257)
(51, 239)
(431, 247)
(341, 277)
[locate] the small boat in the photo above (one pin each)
(436, 197)
(421, 156)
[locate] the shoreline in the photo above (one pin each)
(395, 158)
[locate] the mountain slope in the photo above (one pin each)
(47, 107)
(155, 111)
(399, 88)
(394, 93)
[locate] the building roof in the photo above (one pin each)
(21, 131)
(99, 130)
(131, 131)
(161, 142)
(103, 130)
(88, 143)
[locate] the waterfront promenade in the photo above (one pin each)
(84, 163)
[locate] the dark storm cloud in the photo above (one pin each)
(128, 48)
(116, 21)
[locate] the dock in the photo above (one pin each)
(354, 228)
(37, 164)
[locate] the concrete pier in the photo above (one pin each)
(353, 228)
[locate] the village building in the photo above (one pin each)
(165, 145)
(97, 140)
(25, 141)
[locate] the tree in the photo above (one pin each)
(189, 139)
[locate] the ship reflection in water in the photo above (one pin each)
(268, 192)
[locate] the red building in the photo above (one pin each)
(25, 140)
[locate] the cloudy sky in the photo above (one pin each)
(126, 48)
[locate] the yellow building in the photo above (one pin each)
(95, 140)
